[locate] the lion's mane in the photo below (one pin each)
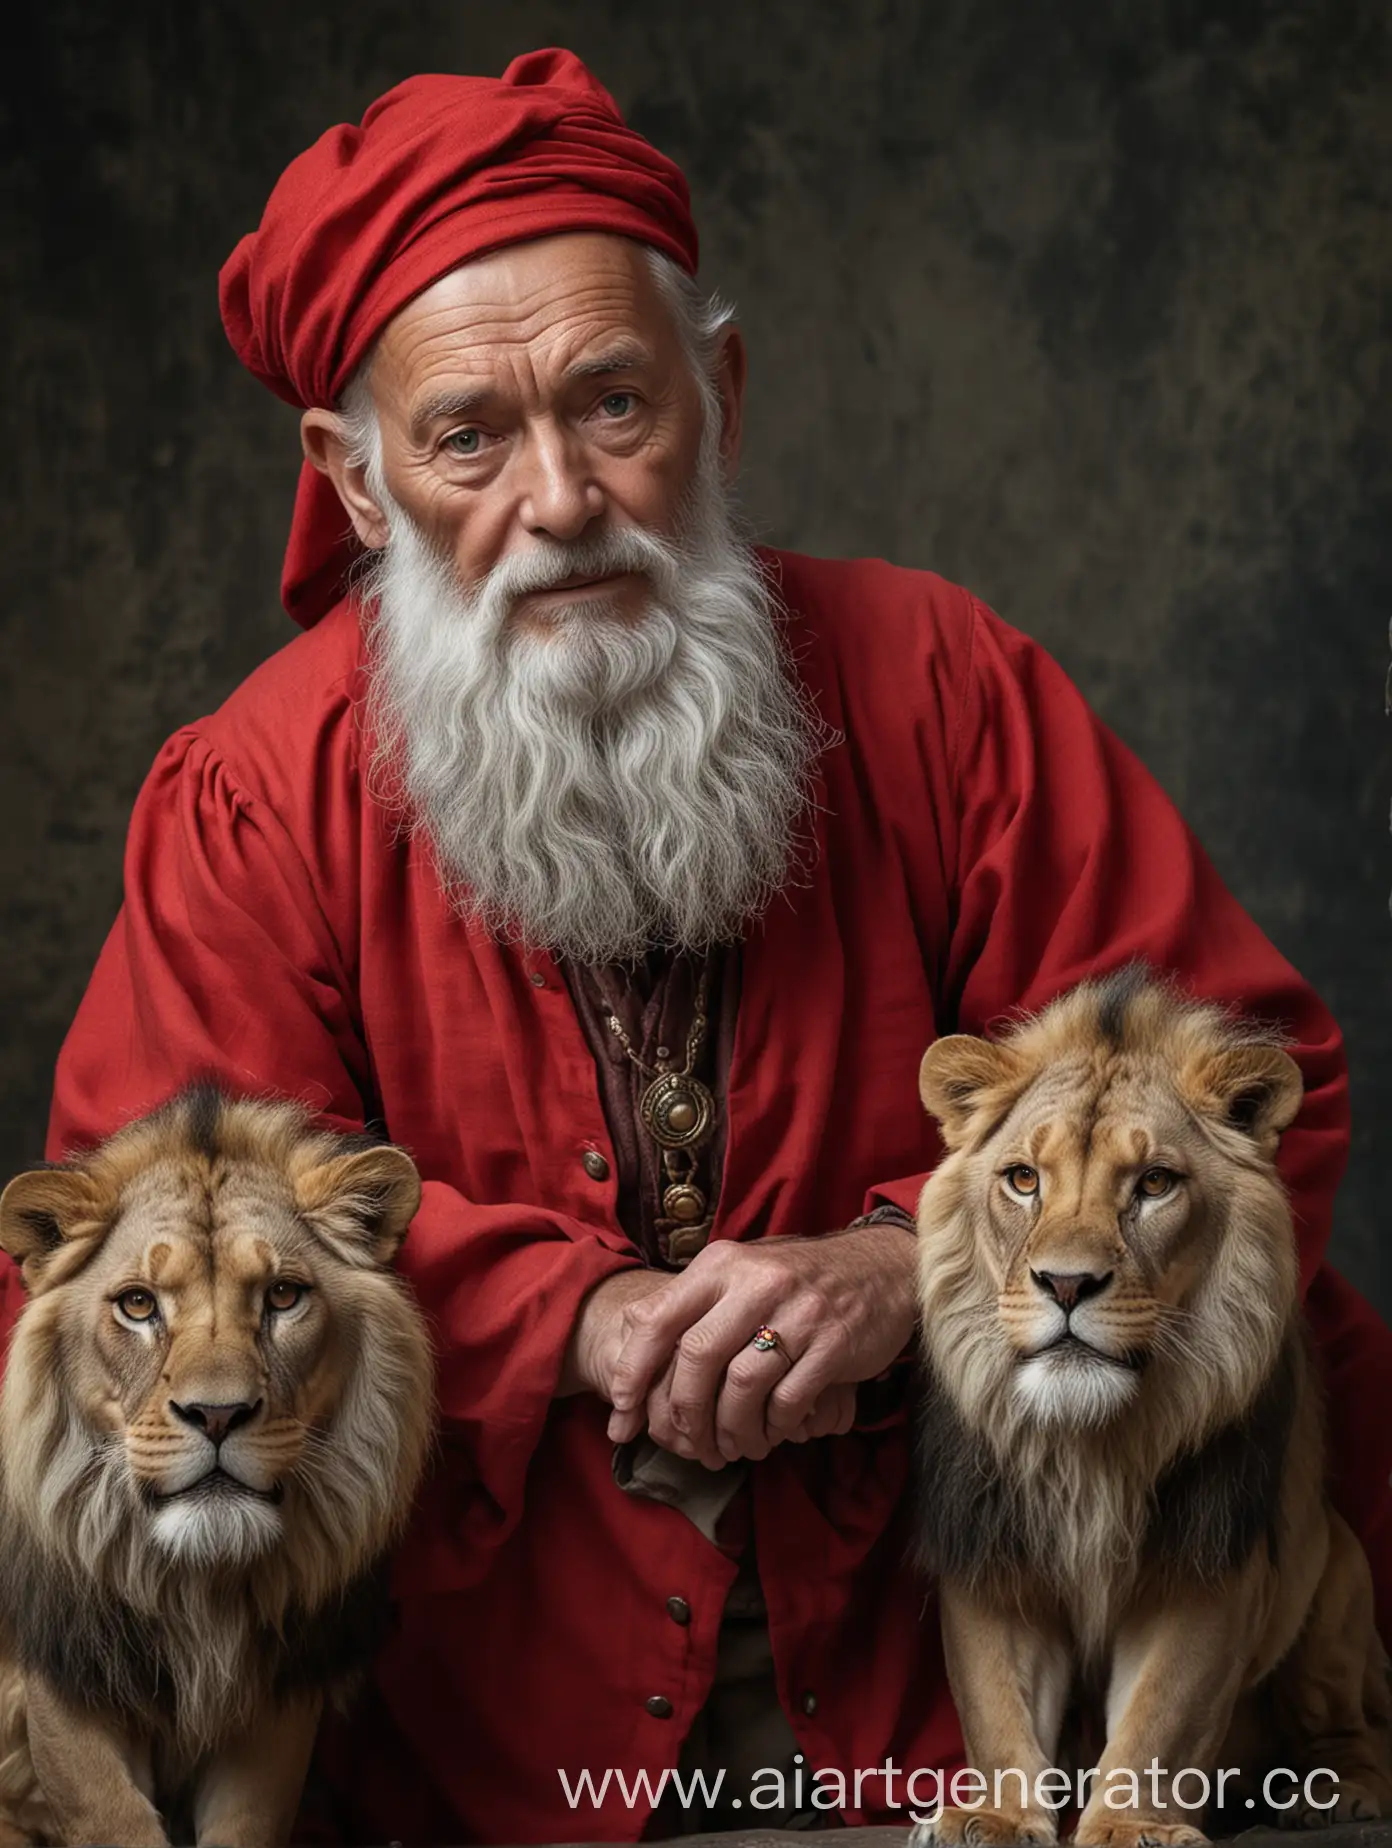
(1187, 1476)
(111, 1619)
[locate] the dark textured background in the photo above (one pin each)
(1084, 305)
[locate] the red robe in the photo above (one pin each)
(983, 842)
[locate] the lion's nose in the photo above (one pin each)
(1069, 1288)
(215, 1421)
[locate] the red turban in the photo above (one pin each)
(441, 170)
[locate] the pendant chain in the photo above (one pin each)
(677, 1110)
(694, 1038)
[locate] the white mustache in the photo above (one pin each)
(551, 563)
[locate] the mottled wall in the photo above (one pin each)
(1084, 305)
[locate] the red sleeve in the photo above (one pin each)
(222, 962)
(11, 1297)
(1071, 860)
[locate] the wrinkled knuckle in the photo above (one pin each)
(639, 1313)
(823, 1302)
(837, 1342)
(743, 1371)
(785, 1414)
(784, 1275)
(694, 1345)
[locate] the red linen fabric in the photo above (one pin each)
(984, 842)
(441, 169)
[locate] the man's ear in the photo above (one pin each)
(1254, 1089)
(44, 1211)
(731, 372)
(324, 439)
(961, 1077)
(361, 1204)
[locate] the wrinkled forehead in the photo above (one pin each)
(542, 308)
(175, 1222)
(1118, 1109)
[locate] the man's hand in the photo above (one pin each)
(678, 1356)
(601, 1329)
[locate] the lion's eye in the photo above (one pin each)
(1024, 1180)
(1155, 1183)
(137, 1305)
(283, 1295)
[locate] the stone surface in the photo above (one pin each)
(1084, 306)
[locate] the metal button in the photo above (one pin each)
(538, 979)
(809, 1702)
(659, 1706)
(595, 1165)
(679, 1610)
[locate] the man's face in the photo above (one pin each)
(578, 690)
(542, 393)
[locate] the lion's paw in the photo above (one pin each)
(1137, 1832)
(983, 1829)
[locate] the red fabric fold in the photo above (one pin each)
(441, 169)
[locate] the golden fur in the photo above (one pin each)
(215, 1413)
(1122, 1450)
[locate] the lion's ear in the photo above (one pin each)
(361, 1204)
(961, 1076)
(41, 1211)
(1255, 1089)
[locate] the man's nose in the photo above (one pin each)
(1069, 1288)
(561, 495)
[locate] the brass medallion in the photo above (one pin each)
(684, 1203)
(677, 1111)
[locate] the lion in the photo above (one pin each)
(216, 1410)
(1122, 1451)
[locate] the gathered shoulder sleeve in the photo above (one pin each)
(223, 963)
(1071, 861)
(221, 960)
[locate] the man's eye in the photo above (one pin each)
(464, 442)
(617, 404)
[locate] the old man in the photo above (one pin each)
(623, 872)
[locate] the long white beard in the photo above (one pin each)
(605, 785)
